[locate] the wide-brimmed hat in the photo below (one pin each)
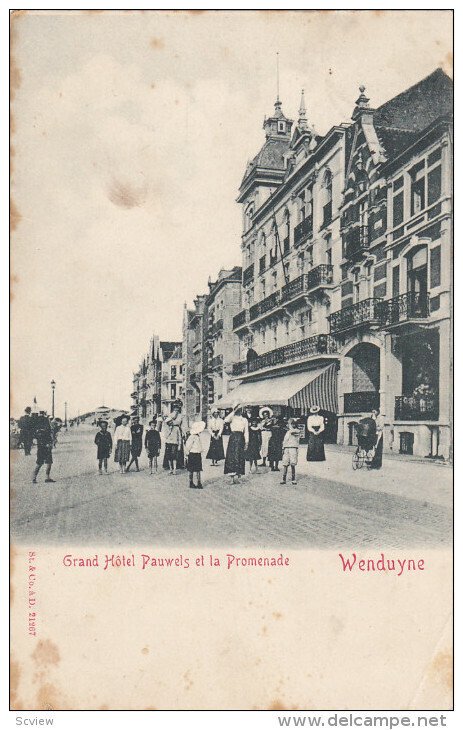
(265, 409)
(314, 409)
(215, 410)
(197, 427)
(237, 404)
(103, 421)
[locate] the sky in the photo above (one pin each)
(131, 132)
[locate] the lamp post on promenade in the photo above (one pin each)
(66, 415)
(53, 386)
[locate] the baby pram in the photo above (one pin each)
(366, 443)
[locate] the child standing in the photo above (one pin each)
(153, 445)
(193, 451)
(104, 442)
(290, 450)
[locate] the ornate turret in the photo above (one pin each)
(278, 126)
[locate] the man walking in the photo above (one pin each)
(44, 436)
(26, 430)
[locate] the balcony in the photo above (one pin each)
(361, 402)
(368, 311)
(217, 362)
(239, 368)
(265, 306)
(317, 345)
(416, 408)
(241, 319)
(215, 327)
(248, 275)
(405, 307)
(303, 230)
(356, 242)
(320, 276)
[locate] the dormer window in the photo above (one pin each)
(281, 127)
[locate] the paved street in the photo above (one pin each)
(407, 503)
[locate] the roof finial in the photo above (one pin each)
(278, 76)
(302, 121)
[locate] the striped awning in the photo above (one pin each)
(298, 390)
(320, 391)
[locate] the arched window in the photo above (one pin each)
(327, 198)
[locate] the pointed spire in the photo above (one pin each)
(302, 121)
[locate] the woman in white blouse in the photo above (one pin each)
(237, 444)
(315, 428)
(122, 439)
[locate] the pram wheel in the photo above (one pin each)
(357, 461)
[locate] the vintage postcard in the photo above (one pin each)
(231, 379)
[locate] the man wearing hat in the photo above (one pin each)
(26, 430)
(44, 436)
(315, 428)
(193, 451)
(104, 443)
(137, 442)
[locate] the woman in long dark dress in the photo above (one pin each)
(216, 452)
(275, 444)
(237, 443)
(377, 461)
(255, 443)
(315, 428)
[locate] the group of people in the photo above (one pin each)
(258, 440)
(37, 426)
(272, 439)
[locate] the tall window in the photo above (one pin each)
(275, 336)
(263, 289)
(327, 198)
(310, 256)
(329, 252)
(173, 372)
(398, 201)
(301, 205)
(287, 231)
(417, 188)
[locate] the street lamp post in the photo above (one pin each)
(66, 415)
(53, 386)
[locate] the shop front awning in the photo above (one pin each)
(298, 390)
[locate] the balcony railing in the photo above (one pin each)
(264, 306)
(217, 362)
(216, 327)
(356, 241)
(368, 311)
(321, 275)
(240, 368)
(412, 305)
(317, 345)
(304, 229)
(361, 402)
(416, 408)
(240, 319)
(248, 275)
